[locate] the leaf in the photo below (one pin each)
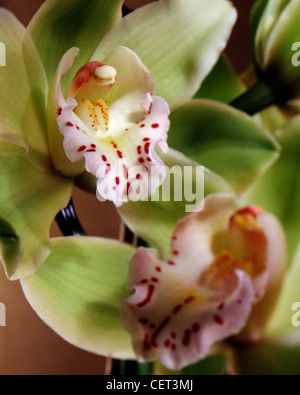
(29, 202)
(178, 40)
(225, 140)
(78, 292)
(213, 365)
(267, 359)
(278, 190)
(281, 325)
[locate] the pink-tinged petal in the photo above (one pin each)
(248, 242)
(226, 262)
(200, 237)
(276, 263)
(177, 323)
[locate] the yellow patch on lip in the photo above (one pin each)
(225, 264)
(94, 115)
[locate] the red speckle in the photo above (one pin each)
(218, 320)
(175, 238)
(177, 309)
(120, 155)
(158, 269)
(158, 330)
(240, 301)
(59, 111)
(144, 281)
(155, 125)
(139, 150)
(141, 160)
(146, 344)
(108, 168)
(150, 108)
(142, 125)
(173, 348)
(171, 263)
(82, 148)
(148, 298)
(187, 338)
(167, 343)
(149, 160)
(138, 176)
(93, 146)
(147, 146)
(196, 327)
(117, 180)
(152, 326)
(91, 150)
(173, 335)
(189, 299)
(154, 280)
(77, 127)
(104, 158)
(176, 253)
(221, 306)
(146, 139)
(143, 321)
(69, 124)
(128, 188)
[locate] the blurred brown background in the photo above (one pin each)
(27, 345)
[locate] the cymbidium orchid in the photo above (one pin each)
(113, 120)
(224, 261)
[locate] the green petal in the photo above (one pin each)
(60, 25)
(78, 292)
(178, 40)
(23, 91)
(281, 324)
(278, 53)
(222, 84)
(223, 139)
(29, 201)
(155, 220)
(278, 191)
(267, 359)
(264, 17)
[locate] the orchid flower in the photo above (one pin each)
(223, 262)
(114, 121)
(32, 145)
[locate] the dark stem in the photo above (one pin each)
(261, 96)
(68, 222)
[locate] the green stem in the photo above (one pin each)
(262, 95)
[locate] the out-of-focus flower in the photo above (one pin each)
(276, 50)
(225, 262)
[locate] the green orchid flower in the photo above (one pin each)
(31, 142)
(276, 47)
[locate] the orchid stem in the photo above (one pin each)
(68, 222)
(259, 97)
